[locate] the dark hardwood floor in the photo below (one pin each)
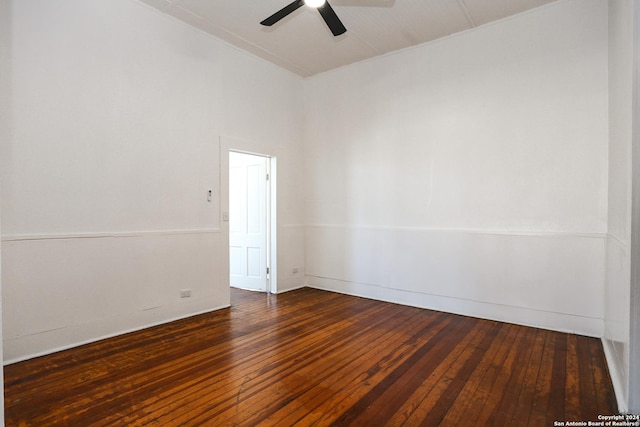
(310, 357)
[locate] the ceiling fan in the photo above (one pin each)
(323, 6)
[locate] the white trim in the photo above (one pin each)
(142, 233)
(105, 234)
(272, 217)
(449, 297)
(561, 322)
(497, 232)
(111, 335)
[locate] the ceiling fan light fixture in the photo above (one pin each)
(315, 3)
(322, 6)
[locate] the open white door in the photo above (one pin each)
(248, 221)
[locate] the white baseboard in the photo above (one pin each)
(561, 322)
(106, 336)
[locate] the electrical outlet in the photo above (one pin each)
(185, 293)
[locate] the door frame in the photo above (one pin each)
(228, 144)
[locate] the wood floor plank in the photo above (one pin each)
(572, 410)
(437, 402)
(363, 386)
(319, 363)
(586, 390)
(491, 411)
(524, 403)
(392, 400)
(515, 380)
(470, 399)
(558, 386)
(538, 413)
(483, 383)
(254, 369)
(366, 357)
(432, 352)
(441, 374)
(311, 357)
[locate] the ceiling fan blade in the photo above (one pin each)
(332, 20)
(291, 7)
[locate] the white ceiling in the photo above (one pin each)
(303, 44)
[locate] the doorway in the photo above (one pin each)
(249, 221)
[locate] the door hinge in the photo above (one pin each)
(268, 177)
(267, 271)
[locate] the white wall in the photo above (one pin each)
(468, 174)
(5, 133)
(617, 309)
(117, 114)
